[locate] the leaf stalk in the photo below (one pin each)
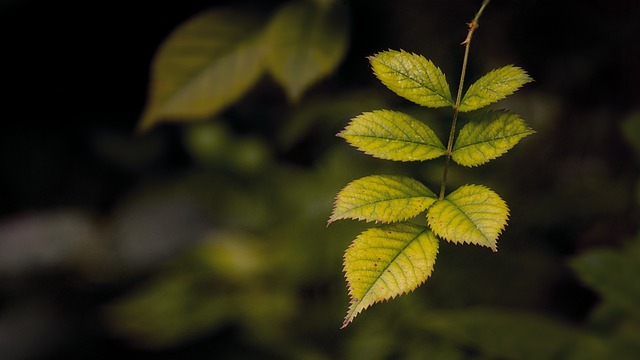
(473, 25)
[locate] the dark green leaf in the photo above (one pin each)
(614, 275)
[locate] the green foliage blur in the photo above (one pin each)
(209, 239)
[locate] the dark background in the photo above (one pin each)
(75, 77)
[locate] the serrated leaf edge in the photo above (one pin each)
(333, 218)
(524, 134)
(342, 135)
(353, 302)
(448, 99)
(528, 79)
(500, 230)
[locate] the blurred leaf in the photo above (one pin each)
(392, 135)
(491, 135)
(631, 131)
(506, 334)
(382, 198)
(307, 40)
(494, 86)
(413, 77)
(471, 214)
(250, 154)
(203, 66)
(614, 275)
(234, 256)
(322, 115)
(207, 142)
(374, 341)
(168, 311)
(387, 261)
(215, 283)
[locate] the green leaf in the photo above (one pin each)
(307, 41)
(393, 135)
(502, 334)
(203, 66)
(472, 214)
(494, 86)
(491, 135)
(631, 131)
(382, 198)
(413, 77)
(387, 261)
(614, 275)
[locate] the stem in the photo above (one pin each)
(473, 25)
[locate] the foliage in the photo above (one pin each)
(208, 239)
(471, 214)
(214, 58)
(613, 331)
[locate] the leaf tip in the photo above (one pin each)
(354, 310)
(347, 320)
(146, 122)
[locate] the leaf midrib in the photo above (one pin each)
(396, 140)
(528, 132)
(407, 73)
(379, 278)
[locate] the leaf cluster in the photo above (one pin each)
(399, 254)
(216, 57)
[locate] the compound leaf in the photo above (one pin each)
(203, 66)
(490, 136)
(387, 261)
(393, 135)
(413, 77)
(382, 198)
(471, 214)
(494, 86)
(307, 41)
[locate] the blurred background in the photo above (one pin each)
(131, 228)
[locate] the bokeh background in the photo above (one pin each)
(208, 239)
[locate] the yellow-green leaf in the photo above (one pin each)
(387, 261)
(392, 135)
(413, 77)
(203, 66)
(471, 214)
(382, 198)
(307, 41)
(489, 136)
(494, 86)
